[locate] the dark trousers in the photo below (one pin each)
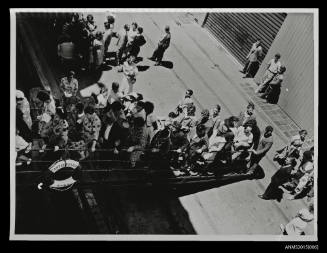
(119, 56)
(254, 162)
(158, 53)
(251, 68)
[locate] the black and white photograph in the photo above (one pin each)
(164, 124)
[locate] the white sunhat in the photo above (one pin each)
(19, 94)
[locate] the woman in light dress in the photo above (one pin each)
(129, 78)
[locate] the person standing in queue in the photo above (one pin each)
(273, 68)
(162, 47)
(264, 146)
(253, 59)
(130, 71)
(283, 175)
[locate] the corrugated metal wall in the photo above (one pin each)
(295, 44)
(238, 31)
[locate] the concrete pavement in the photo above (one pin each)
(207, 69)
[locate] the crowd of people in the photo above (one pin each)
(122, 125)
(83, 44)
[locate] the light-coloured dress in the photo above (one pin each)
(129, 78)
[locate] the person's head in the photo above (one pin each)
(110, 19)
(172, 115)
(189, 93)
(247, 129)
(140, 30)
(115, 87)
(222, 128)
(268, 131)
(259, 41)
(250, 108)
(303, 133)
(43, 96)
(200, 130)
(19, 96)
(139, 122)
(134, 26)
(205, 113)
(277, 57)
(99, 35)
(70, 75)
(176, 126)
(89, 110)
(148, 107)
(131, 59)
(139, 97)
(89, 18)
(233, 121)
(190, 110)
(216, 110)
(282, 69)
(251, 122)
(167, 29)
(126, 27)
(139, 105)
(106, 25)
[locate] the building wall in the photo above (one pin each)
(294, 42)
(238, 31)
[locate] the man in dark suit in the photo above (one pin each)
(162, 46)
(283, 175)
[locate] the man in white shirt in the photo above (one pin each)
(273, 68)
(114, 94)
(252, 58)
(243, 138)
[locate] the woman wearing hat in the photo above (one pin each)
(298, 224)
(23, 105)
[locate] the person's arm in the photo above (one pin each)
(268, 65)
(75, 88)
(265, 149)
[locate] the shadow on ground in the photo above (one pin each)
(167, 64)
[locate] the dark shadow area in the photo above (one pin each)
(142, 68)
(138, 59)
(167, 64)
(106, 67)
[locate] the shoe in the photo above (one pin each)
(282, 227)
(151, 58)
(157, 64)
(262, 197)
